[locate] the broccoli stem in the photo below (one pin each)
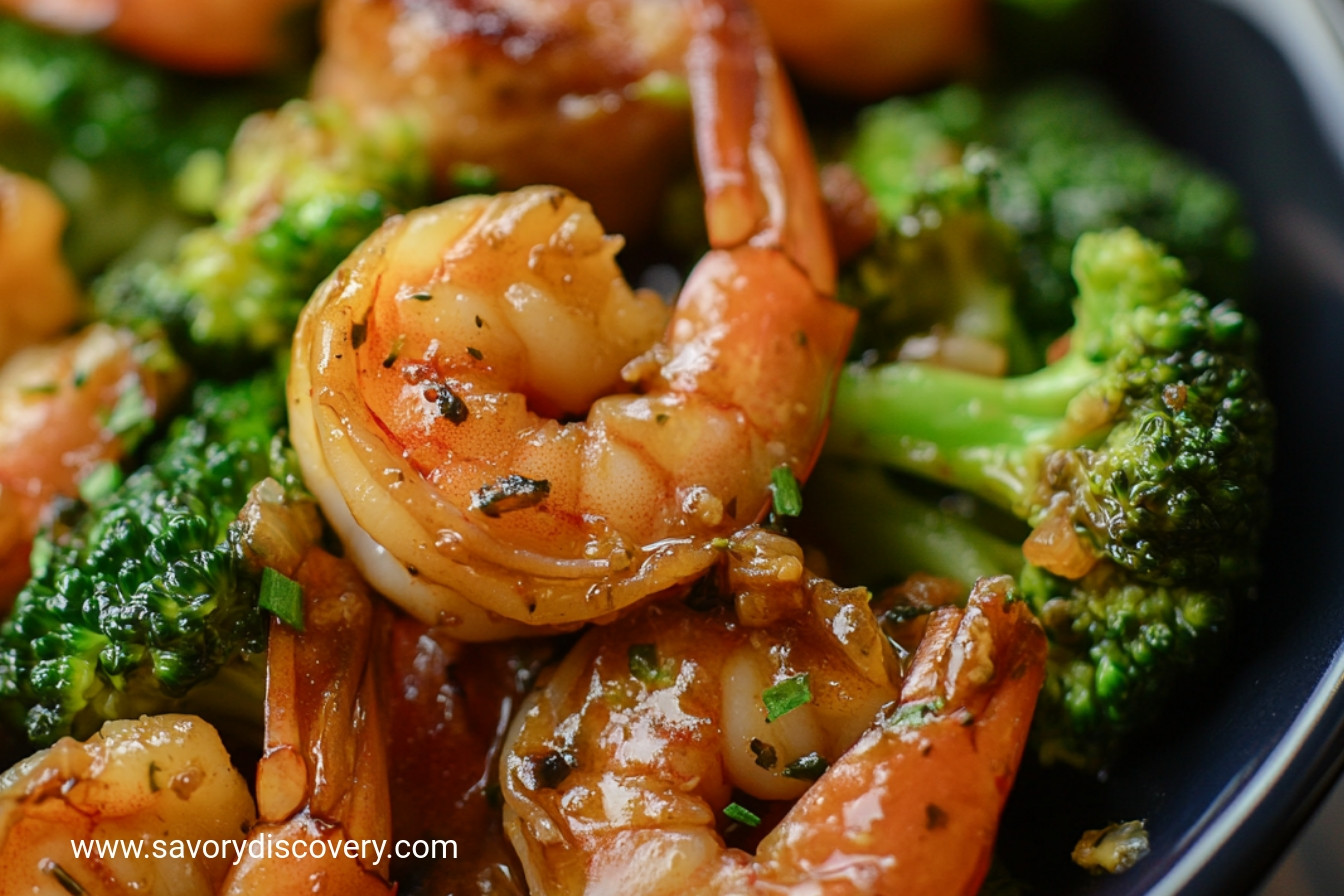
(982, 434)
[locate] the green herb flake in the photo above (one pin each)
(788, 495)
(63, 877)
(132, 416)
(282, 596)
(40, 389)
(916, 715)
(475, 353)
(99, 482)
(509, 493)
(742, 815)
(766, 757)
(153, 777)
(806, 768)
(395, 352)
(422, 296)
(643, 659)
(470, 177)
(786, 696)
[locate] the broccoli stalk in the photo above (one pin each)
(1148, 442)
(144, 599)
(305, 185)
(1120, 646)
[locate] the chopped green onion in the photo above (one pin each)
(132, 417)
(282, 596)
(916, 715)
(643, 660)
(469, 177)
(742, 815)
(786, 696)
(806, 768)
(788, 496)
(99, 482)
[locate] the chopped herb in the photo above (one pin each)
(786, 696)
(153, 779)
(99, 482)
(132, 417)
(81, 377)
(721, 544)
(68, 883)
(395, 351)
(470, 177)
(643, 660)
(807, 768)
(282, 596)
(359, 333)
(40, 389)
(451, 408)
(479, 323)
(422, 296)
(801, 338)
(742, 815)
(788, 496)
(551, 769)
(660, 419)
(934, 817)
(509, 493)
(494, 795)
(663, 87)
(766, 757)
(475, 353)
(915, 715)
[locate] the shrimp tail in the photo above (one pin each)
(323, 775)
(927, 787)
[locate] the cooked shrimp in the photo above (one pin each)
(218, 36)
(619, 768)
(38, 296)
(322, 793)
(161, 784)
(66, 409)
(459, 394)
(872, 48)
(535, 91)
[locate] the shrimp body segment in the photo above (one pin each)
(617, 772)
(492, 420)
(162, 782)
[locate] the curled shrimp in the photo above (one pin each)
(533, 91)
(872, 48)
(619, 768)
(322, 788)
(67, 409)
(215, 36)
(460, 397)
(159, 782)
(38, 295)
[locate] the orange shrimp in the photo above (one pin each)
(216, 36)
(619, 769)
(533, 91)
(322, 787)
(873, 48)
(460, 394)
(66, 409)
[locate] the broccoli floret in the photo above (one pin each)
(1120, 645)
(144, 597)
(1016, 180)
(112, 133)
(1147, 442)
(305, 185)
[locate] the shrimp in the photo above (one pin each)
(67, 409)
(322, 786)
(532, 91)
(210, 36)
(38, 295)
(619, 767)
(459, 397)
(869, 49)
(160, 782)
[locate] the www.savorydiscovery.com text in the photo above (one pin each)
(263, 846)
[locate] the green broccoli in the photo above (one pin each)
(981, 199)
(1141, 457)
(305, 185)
(1120, 646)
(142, 596)
(1151, 435)
(114, 134)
